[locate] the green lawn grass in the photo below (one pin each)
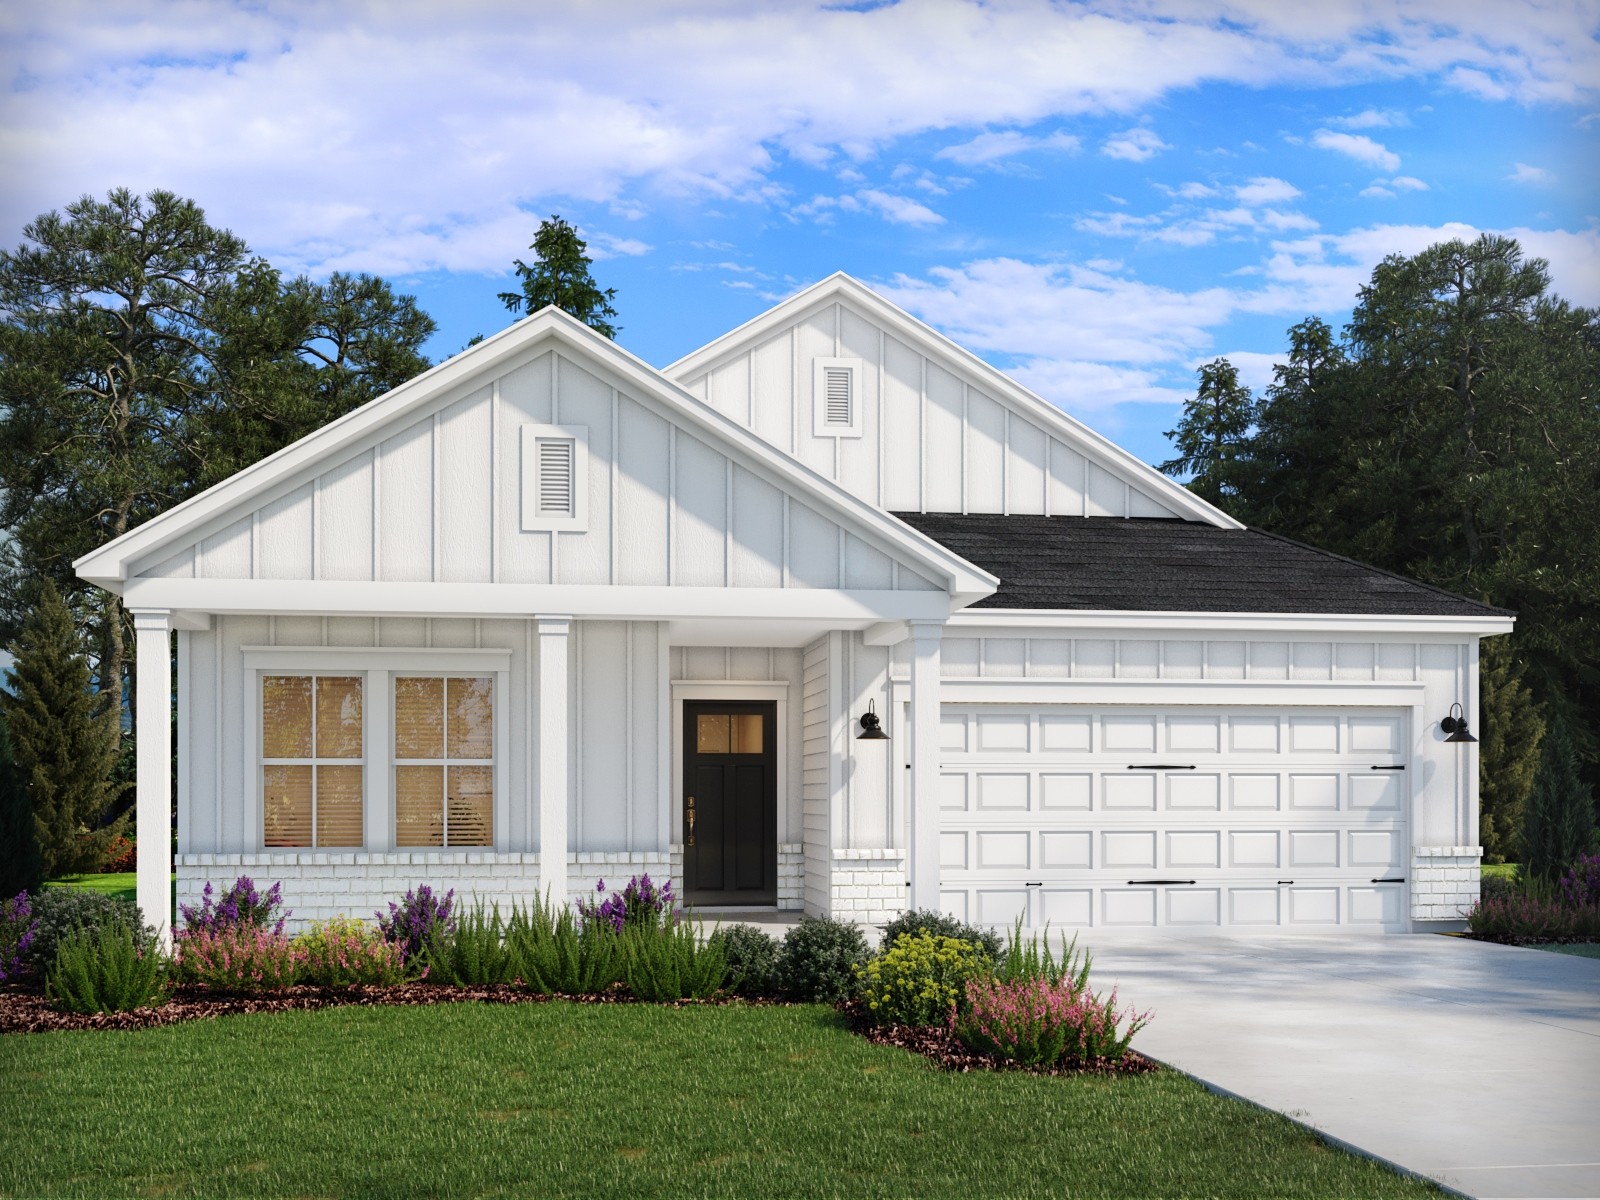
(1578, 949)
(1499, 871)
(617, 1100)
(118, 883)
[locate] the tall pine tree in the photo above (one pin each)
(560, 276)
(1214, 435)
(1560, 816)
(1508, 758)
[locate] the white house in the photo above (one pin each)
(546, 614)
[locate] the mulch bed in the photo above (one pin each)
(940, 1046)
(1512, 939)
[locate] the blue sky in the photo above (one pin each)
(1097, 197)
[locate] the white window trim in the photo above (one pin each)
(532, 519)
(819, 394)
(377, 666)
(364, 762)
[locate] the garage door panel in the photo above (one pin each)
(1130, 791)
(1128, 849)
(953, 733)
(1194, 848)
(1063, 791)
(953, 903)
(1000, 792)
(1194, 791)
(1279, 819)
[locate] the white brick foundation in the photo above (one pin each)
(791, 876)
(1444, 882)
(868, 886)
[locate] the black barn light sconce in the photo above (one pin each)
(871, 730)
(1456, 726)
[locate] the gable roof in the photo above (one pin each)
(988, 379)
(200, 515)
(1149, 565)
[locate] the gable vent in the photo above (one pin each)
(555, 477)
(836, 397)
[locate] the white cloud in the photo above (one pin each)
(1192, 191)
(1134, 145)
(1408, 183)
(1377, 191)
(1356, 146)
(1534, 175)
(1255, 369)
(1370, 118)
(902, 210)
(1264, 189)
(992, 147)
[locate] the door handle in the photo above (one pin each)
(690, 817)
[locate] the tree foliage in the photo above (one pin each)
(1213, 436)
(1508, 757)
(21, 867)
(1560, 809)
(560, 276)
(1452, 434)
(65, 739)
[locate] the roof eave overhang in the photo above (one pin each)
(1240, 625)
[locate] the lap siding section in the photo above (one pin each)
(1124, 816)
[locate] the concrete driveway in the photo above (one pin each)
(1475, 1064)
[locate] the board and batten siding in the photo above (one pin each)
(977, 454)
(1446, 669)
(618, 696)
(440, 500)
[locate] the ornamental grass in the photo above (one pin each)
(1534, 919)
(1040, 1023)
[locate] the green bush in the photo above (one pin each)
(61, 910)
(819, 958)
(558, 953)
(670, 962)
(1031, 958)
(919, 979)
(237, 958)
(1499, 887)
(110, 968)
(752, 960)
(937, 924)
(1559, 820)
(473, 953)
(345, 951)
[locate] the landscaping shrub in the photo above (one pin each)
(670, 962)
(1498, 887)
(419, 920)
(640, 903)
(819, 958)
(937, 924)
(236, 958)
(121, 856)
(1534, 918)
(919, 979)
(61, 910)
(1559, 821)
(18, 928)
(1031, 958)
(241, 905)
(558, 953)
(752, 960)
(111, 967)
(1580, 886)
(1038, 1023)
(345, 951)
(474, 953)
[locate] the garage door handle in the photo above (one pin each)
(1396, 767)
(1167, 882)
(1402, 879)
(1160, 766)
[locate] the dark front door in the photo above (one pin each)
(730, 802)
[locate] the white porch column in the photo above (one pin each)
(153, 777)
(552, 749)
(923, 790)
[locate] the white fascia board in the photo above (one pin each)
(288, 468)
(613, 602)
(1210, 693)
(1107, 454)
(1230, 625)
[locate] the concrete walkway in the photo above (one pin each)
(1475, 1064)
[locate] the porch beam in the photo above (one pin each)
(923, 790)
(554, 725)
(153, 772)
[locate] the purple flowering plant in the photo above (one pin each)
(18, 926)
(241, 905)
(640, 904)
(418, 921)
(1580, 886)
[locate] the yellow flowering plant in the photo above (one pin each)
(919, 979)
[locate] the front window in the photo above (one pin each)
(444, 760)
(311, 760)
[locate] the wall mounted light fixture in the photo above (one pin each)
(1455, 725)
(871, 729)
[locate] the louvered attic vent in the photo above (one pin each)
(836, 397)
(554, 477)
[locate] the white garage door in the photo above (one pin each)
(1199, 817)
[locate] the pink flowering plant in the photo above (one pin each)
(1044, 1023)
(639, 905)
(1534, 918)
(18, 927)
(344, 951)
(238, 958)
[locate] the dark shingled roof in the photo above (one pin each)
(1160, 565)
